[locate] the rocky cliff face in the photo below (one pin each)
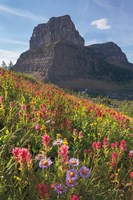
(57, 52)
(57, 29)
(111, 53)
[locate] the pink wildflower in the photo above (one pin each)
(1, 99)
(20, 113)
(22, 156)
(114, 155)
(38, 93)
(131, 175)
(15, 152)
(33, 119)
(52, 185)
(27, 115)
(89, 150)
(94, 145)
(80, 135)
(130, 154)
(11, 104)
(123, 145)
(42, 190)
(63, 153)
(74, 132)
(114, 158)
(23, 107)
(85, 151)
(74, 197)
(64, 149)
(46, 140)
(116, 144)
(105, 142)
(112, 145)
(98, 145)
(37, 127)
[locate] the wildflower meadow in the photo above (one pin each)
(54, 145)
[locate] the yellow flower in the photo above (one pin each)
(43, 127)
(93, 124)
(58, 135)
(33, 102)
(65, 142)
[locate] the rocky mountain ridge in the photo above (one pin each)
(56, 29)
(57, 53)
(111, 53)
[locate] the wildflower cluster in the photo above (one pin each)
(22, 156)
(63, 147)
(72, 176)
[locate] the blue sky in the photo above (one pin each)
(97, 21)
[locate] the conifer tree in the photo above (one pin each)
(3, 64)
(10, 64)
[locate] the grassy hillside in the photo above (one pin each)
(54, 145)
(125, 106)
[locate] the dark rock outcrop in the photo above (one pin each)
(57, 29)
(58, 53)
(111, 53)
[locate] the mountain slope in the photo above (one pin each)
(57, 53)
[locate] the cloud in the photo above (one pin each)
(102, 3)
(8, 55)
(101, 24)
(8, 41)
(21, 13)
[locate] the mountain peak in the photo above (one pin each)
(57, 53)
(110, 52)
(55, 30)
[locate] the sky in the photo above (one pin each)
(97, 21)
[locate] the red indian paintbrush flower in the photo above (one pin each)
(1, 99)
(74, 197)
(63, 153)
(131, 175)
(42, 190)
(11, 104)
(105, 142)
(114, 159)
(22, 156)
(130, 154)
(37, 127)
(96, 145)
(46, 140)
(123, 145)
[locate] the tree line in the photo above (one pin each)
(7, 66)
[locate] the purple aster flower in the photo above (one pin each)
(39, 157)
(60, 188)
(72, 174)
(57, 142)
(84, 172)
(73, 162)
(70, 182)
(45, 163)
